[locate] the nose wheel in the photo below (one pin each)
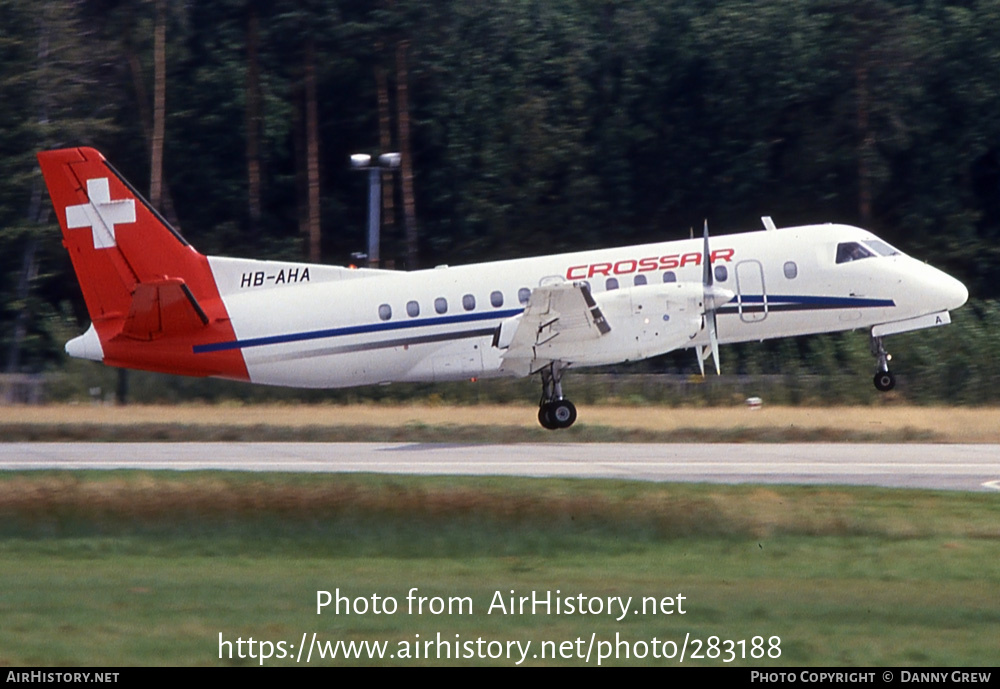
(884, 379)
(554, 411)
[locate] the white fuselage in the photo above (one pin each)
(319, 326)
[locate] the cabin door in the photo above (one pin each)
(751, 297)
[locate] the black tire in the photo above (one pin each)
(545, 416)
(562, 413)
(884, 381)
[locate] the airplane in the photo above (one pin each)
(157, 304)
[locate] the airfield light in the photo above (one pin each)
(389, 161)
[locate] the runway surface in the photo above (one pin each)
(952, 467)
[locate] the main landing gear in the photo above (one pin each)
(554, 412)
(884, 380)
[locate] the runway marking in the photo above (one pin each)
(951, 467)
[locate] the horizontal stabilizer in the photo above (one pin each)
(163, 308)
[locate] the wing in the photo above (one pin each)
(557, 317)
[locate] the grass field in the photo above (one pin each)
(151, 568)
(499, 423)
(148, 568)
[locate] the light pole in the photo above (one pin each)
(363, 161)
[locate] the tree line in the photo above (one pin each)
(525, 127)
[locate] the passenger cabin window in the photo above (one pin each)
(669, 276)
(523, 295)
(496, 298)
(385, 312)
(791, 270)
(468, 302)
(639, 280)
(721, 273)
(852, 251)
(441, 305)
(611, 283)
(412, 309)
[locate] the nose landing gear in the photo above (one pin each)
(554, 411)
(884, 379)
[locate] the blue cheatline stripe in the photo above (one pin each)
(353, 330)
(773, 301)
(814, 302)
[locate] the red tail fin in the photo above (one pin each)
(150, 295)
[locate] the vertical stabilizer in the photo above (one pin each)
(150, 295)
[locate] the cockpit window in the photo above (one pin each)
(881, 248)
(852, 251)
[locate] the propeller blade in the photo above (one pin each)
(706, 261)
(713, 297)
(713, 339)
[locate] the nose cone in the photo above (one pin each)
(925, 289)
(953, 293)
(717, 296)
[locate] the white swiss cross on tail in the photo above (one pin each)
(101, 214)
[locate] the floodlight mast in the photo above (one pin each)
(364, 161)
